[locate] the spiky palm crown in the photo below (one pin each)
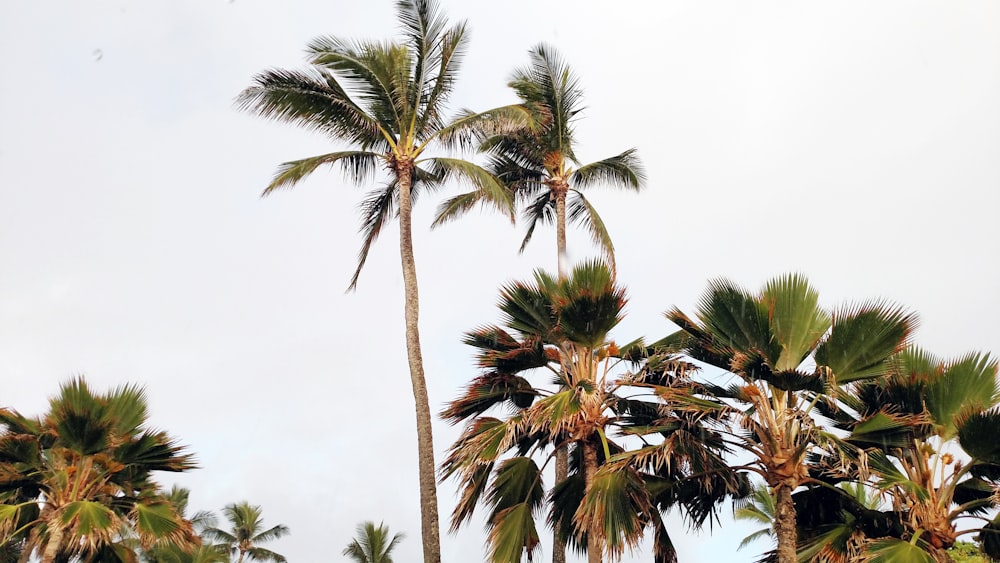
(560, 327)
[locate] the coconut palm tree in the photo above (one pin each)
(559, 326)
(385, 101)
(74, 478)
(788, 354)
(927, 439)
(372, 544)
(539, 164)
(246, 533)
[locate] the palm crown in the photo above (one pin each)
(538, 162)
(559, 327)
(73, 480)
(791, 354)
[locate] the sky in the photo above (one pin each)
(855, 142)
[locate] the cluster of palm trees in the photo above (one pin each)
(76, 484)
(869, 448)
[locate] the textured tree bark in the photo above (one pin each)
(784, 524)
(562, 471)
(429, 527)
(559, 189)
(594, 544)
(562, 457)
(52, 547)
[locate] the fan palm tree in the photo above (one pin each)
(386, 101)
(788, 354)
(928, 439)
(246, 533)
(74, 478)
(372, 544)
(559, 326)
(167, 552)
(539, 164)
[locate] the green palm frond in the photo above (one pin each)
(796, 320)
(590, 304)
(618, 504)
(489, 190)
(541, 210)
(512, 535)
(977, 433)
(579, 211)
(897, 551)
(863, 337)
(372, 544)
(968, 384)
(622, 170)
(314, 100)
(358, 166)
(735, 319)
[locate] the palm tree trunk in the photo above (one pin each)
(562, 471)
(559, 189)
(562, 457)
(594, 544)
(784, 524)
(52, 547)
(429, 527)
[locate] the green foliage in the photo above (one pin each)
(89, 462)
(372, 544)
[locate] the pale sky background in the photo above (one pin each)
(856, 142)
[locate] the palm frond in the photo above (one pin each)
(489, 189)
(376, 209)
(581, 212)
(862, 338)
(624, 170)
(315, 101)
(358, 166)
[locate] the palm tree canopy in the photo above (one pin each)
(76, 477)
(559, 327)
(386, 100)
(372, 544)
(246, 532)
(538, 162)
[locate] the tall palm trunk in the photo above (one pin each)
(562, 456)
(425, 443)
(594, 547)
(784, 524)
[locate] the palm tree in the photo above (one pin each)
(373, 544)
(168, 552)
(73, 479)
(386, 101)
(246, 533)
(559, 326)
(539, 163)
(789, 354)
(927, 435)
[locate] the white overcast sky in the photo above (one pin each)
(856, 142)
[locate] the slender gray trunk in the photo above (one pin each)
(429, 527)
(784, 524)
(562, 471)
(562, 457)
(594, 544)
(559, 190)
